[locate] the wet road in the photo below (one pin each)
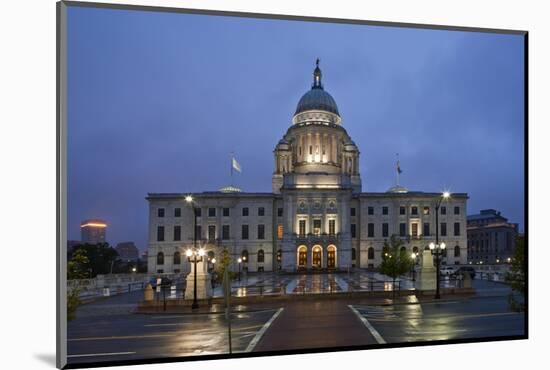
(472, 318)
(107, 330)
(133, 336)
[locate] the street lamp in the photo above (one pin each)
(189, 199)
(194, 255)
(413, 271)
(213, 260)
(240, 261)
(438, 248)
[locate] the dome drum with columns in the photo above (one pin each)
(316, 145)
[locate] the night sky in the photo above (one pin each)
(157, 101)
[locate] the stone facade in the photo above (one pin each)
(491, 238)
(317, 216)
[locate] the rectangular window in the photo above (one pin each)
(244, 232)
(225, 232)
(414, 211)
(245, 211)
(199, 232)
(261, 211)
(160, 233)
(426, 229)
(457, 210)
(443, 210)
(385, 230)
(198, 211)
(226, 212)
(177, 212)
(261, 231)
(280, 231)
(352, 211)
(370, 230)
(332, 227)
(443, 229)
(457, 228)
(426, 210)
(302, 227)
(211, 212)
(414, 230)
(401, 210)
(317, 226)
(177, 233)
(353, 230)
(402, 229)
(384, 210)
(370, 210)
(160, 212)
(211, 232)
(279, 212)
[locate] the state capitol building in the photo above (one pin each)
(315, 218)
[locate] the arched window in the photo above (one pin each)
(457, 251)
(244, 255)
(160, 258)
(403, 250)
(353, 254)
(177, 258)
(210, 255)
(371, 253)
(415, 249)
(261, 256)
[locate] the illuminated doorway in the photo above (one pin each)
(331, 257)
(316, 258)
(302, 256)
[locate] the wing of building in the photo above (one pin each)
(317, 216)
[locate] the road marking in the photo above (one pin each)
(121, 337)
(372, 330)
(102, 354)
(264, 328)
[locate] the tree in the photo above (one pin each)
(101, 257)
(78, 265)
(224, 264)
(395, 261)
(516, 277)
(77, 268)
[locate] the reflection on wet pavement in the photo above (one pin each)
(274, 284)
(146, 336)
(443, 320)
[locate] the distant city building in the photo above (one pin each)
(491, 238)
(316, 218)
(93, 231)
(127, 251)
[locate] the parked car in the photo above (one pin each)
(447, 270)
(466, 270)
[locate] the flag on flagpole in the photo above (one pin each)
(398, 167)
(236, 166)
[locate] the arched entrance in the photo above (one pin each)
(302, 257)
(316, 257)
(331, 257)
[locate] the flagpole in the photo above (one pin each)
(231, 166)
(397, 169)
